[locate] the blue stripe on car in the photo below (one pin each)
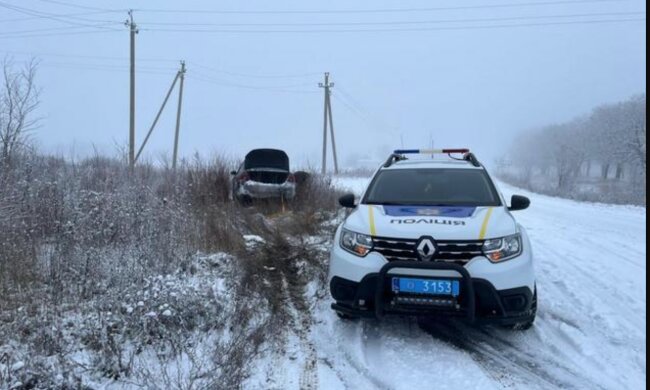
(429, 211)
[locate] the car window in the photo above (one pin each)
(453, 187)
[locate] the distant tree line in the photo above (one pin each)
(598, 157)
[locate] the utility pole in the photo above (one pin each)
(329, 112)
(181, 74)
(133, 30)
(155, 121)
(327, 117)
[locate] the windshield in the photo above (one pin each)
(432, 187)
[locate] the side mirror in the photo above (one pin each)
(233, 173)
(519, 202)
(347, 201)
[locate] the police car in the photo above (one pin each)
(434, 236)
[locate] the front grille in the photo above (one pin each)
(450, 251)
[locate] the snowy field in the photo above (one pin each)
(206, 326)
(590, 334)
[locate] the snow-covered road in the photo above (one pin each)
(591, 265)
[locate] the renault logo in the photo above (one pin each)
(426, 248)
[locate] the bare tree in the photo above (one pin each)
(637, 137)
(639, 143)
(19, 100)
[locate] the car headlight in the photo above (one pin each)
(356, 243)
(501, 249)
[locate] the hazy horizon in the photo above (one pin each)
(473, 82)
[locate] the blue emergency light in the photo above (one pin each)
(398, 155)
(431, 151)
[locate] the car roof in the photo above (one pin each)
(428, 163)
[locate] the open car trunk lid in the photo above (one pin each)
(269, 166)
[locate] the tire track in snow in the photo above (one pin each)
(365, 373)
(339, 374)
(301, 319)
(371, 343)
(509, 364)
(345, 359)
(337, 354)
(276, 374)
(358, 367)
(560, 286)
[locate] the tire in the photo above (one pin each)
(529, 322)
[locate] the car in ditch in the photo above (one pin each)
(434, 237)
(264, 174)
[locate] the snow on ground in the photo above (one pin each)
(352, 184)
(590, 333)
(591, 265)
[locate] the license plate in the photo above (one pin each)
(426, 286)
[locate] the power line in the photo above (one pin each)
(74, 5)
(158, 70)
(50, 16)
(152, 59)
(110, 67)
(95, 67)
(362, 114)
(320, 31)
(73, 16)
(244, 86)
(410, 22)
(258, 76)
(251, 86)
(376, 11)
(353, 109)
(420, 29)
(354, 102)
(90, 57)
(84, 32)
(21, 32)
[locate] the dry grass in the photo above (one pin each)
(82, 243)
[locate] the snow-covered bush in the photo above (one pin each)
(147, 277)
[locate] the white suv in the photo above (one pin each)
(434, 237)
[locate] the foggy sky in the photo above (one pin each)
(464, 87)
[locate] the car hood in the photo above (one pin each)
(441, 223)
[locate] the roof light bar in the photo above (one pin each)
(431, 151)
(399, 155)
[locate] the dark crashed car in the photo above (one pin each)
(264, 174)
